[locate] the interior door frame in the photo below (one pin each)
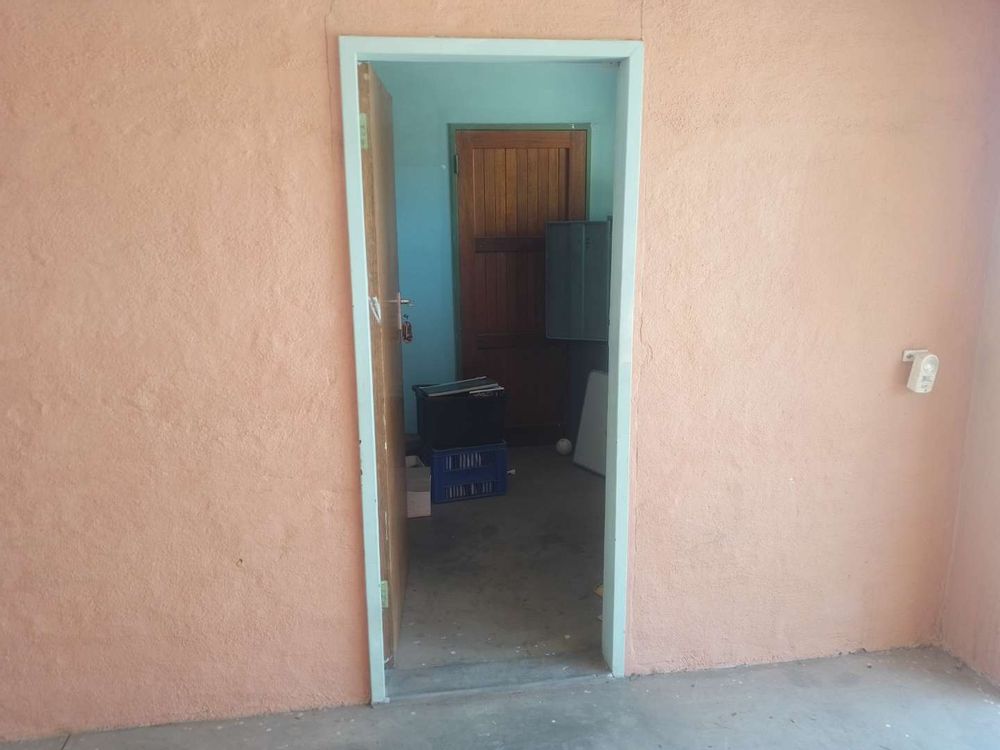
(629, 54)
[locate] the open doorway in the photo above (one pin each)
(512, 579)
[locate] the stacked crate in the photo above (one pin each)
(461, 439)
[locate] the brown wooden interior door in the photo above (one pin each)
(383, 287)
(510, 182)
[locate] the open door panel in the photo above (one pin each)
(386, 324)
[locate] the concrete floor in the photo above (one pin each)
(918, 699)
(510, 577)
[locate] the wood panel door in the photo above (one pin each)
(384, 301)
(509, 183)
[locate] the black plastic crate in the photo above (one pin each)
(459, 420)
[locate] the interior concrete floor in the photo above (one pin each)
(895, 700)
(508, 578)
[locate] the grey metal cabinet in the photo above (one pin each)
(577, 280)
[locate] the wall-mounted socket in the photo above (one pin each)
(923, 371)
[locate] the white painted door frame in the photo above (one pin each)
(629, 55)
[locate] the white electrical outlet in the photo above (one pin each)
(923, 371)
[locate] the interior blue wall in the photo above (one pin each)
(426, 98)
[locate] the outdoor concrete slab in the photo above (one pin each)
(51, 743)
(911, 699)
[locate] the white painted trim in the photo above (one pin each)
(350, 115)
(619, 464)
(444, 49)
(354, 50)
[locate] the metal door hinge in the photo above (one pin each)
(454, 163)
(363, 128)
(385, 595)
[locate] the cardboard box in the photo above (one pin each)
(418, 491)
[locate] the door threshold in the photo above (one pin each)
(495, 676)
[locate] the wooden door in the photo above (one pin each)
(510, 182)
(386, 324)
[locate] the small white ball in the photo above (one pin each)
(564, 447)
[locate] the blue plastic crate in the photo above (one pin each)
(467, 473)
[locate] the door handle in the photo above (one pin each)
(400, 301)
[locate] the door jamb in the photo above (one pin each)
(629, 54)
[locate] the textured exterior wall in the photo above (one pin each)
(179, 520)
(179, 523)
(972, 607)
(816, 198)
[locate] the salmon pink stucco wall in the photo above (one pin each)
(180, 532)
(816, 197)
(179, 524)
(972, 608)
